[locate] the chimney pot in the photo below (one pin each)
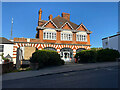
(40, 14)
(50, 17)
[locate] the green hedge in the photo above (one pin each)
(46, 58)
(107, 55)
(86, 56)
(102, 55)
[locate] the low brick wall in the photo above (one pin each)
(7, 67)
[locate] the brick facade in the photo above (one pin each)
(59, 25)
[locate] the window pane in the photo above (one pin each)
(49, 35)
(61, 36)
(52, 35)
(1, 48)
(55, 36)
(44, 35)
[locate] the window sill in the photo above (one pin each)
(49, 39)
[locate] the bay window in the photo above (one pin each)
(81, 37)
(49, 35)
(66, 36)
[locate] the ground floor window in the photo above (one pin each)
(80, 49)
(1, 48)
(50, 48)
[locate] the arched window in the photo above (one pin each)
(50, 48)
(80, 49)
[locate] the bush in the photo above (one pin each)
(100, 55)
(46, 58)
(107, 55)
(86, 56)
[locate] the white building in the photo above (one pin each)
(111, 42)
(6, 47)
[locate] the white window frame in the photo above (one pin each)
(49, 35)
(66, 36)
(81, 37)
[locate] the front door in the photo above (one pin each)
(66, 56)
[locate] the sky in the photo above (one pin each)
(99, 17)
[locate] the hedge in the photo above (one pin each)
(107, 55)
(86, 56)
(46, 58)
(102, 55)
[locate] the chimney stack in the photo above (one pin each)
(40, 14)
(66, 16)
(50, 17)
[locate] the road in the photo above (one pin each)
(96, 78)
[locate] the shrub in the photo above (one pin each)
(5, 59)
(86, 56)
(46, 58)
(107, 55)
(101, 55)
(96, 48)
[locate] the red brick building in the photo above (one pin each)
(59, 34)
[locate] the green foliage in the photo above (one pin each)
(46, 58)
(96, 49)
(95, 55)
(4, 57)
(87, 56)
(107, 55)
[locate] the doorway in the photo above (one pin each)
(66, 54)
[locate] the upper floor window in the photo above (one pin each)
(49, 35)
(81, 37)
(66, 36)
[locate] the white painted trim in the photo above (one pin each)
(48, 22)
(65, 24)
(58, 50)
(74, 50)
(83, 26)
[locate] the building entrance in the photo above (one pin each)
(66, 54)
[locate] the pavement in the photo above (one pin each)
(57, 70)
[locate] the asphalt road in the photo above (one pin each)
(96, 78)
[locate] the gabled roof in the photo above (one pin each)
(60, 21)
(51, 22)
(68, 25)
(83, 27)
(5, 41)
